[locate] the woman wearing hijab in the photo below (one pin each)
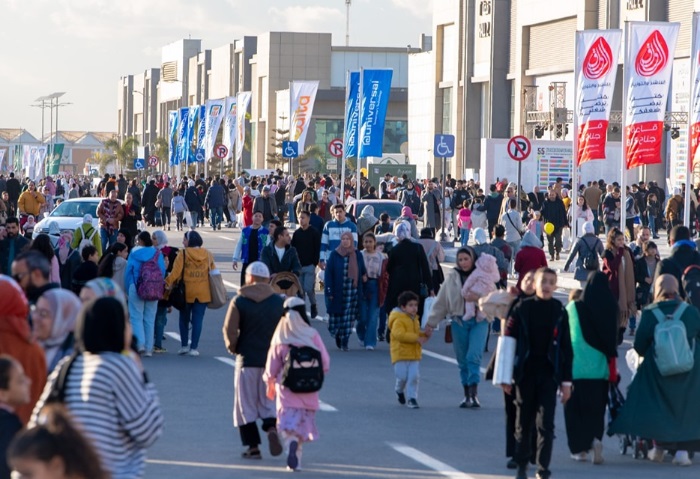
(407, 216)
(54, 233)
(101, 288)
(107, 391)
(593, 329)
(435, 254)
(530, 256)
(296, 412)
(408, 269)
(366, 222)
(664, 408)
(68, 259)
(468, 345)
(345, 273)
(53, 318)
(618, 266)
(160, 241)
(586, 244)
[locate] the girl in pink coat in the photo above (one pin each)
(296, 412)
(464, 222)
(481, 282)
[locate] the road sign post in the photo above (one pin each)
(443, 147)
(519, 148)
(290, 150)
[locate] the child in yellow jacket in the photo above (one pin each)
(406, 342)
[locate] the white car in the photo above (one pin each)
(69, 215)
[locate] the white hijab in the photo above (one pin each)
(292, 329)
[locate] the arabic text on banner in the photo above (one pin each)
(302, 95)
(649, 60)
(596, 69)
(376, 85)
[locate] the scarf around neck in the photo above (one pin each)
(351, 254)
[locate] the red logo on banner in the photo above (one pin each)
(653, 55)
(598, 60)
(694, 143)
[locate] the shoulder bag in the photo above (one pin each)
(216, 288)
(178, 298)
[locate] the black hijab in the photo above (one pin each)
(100, 326)
(597, 313)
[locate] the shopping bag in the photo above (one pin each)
(427, 308)
(566, 238)
(217, 289)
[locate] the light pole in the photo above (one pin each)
(43, 106)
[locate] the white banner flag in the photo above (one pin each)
(3, 168)
(302, 95)
(648, 65)
(597, 53)
(694, 137)
(230, 124)
(242, 101)
(214, 113)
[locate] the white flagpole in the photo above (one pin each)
(574, 170)
(623, 156)
(691, 114)
(358, 184)
(345, 138)
(291, 136)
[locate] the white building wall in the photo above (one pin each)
(421, 112)
(344, 61)
(220, 80)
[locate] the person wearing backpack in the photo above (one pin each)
(145, 284)
(683, 254)
(660, 405)
(86, 234)
(296, 364)
(587, 251)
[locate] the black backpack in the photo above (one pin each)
(303, 370)
(590, 260)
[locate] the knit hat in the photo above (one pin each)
(259, 269)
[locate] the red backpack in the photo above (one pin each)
(150, 284)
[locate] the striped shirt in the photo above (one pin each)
(117, 410)
(330, 238)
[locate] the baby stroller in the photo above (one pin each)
(286, 283)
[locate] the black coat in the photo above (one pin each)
(290, 260)
(21, 244)
(682, 257)
(13, 189)
(193, 201)
(554, 212)
(407, 268)
(150, 195)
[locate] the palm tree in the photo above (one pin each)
(311, 152)
(162, 149)
(124, 152)
(102, 160)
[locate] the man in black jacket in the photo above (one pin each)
(554, 211)
(307, 241)
(279, 256)
(122, 186)
(684, 253)
(492, 207)
(11, 246)
(13, 190)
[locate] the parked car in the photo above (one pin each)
(69, 215)
(391, 207)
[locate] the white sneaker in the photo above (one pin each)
(656, 454)
(183, 350)
(369, 348)
(681, 459)
(597, 451)
(580, 457)
(193, 352)
(148, 354)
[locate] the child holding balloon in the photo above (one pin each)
(535, 225)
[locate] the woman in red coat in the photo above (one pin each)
(530, 256)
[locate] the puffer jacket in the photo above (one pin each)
(197, 263)
(405, 331)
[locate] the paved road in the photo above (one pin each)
(364, 431)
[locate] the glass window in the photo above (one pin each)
(446, 110)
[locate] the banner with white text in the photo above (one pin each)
(376, 85)
(172, 131)
(352, 114)
(597, 53)
(650, 49)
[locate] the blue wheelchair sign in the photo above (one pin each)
(444, 146)
(139, 163)
(290, 149)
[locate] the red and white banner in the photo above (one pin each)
(597, 53)
(695, 93)
(302, 95)
(650, 49)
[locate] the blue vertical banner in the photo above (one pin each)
(376, 85)
(352, 114)
(182, 137)
(191, 119)
(200, 153)
(172, 131)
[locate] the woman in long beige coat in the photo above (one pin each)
(618, 266)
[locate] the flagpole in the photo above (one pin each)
(623, 155)
(691, 115)
(291, 138)
(574, 171)
(345, 137)
(358, 183)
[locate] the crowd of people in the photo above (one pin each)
(87, 307)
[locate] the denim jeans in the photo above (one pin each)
(652, 225)
(161, 321)
(292, 213)
(194, 217)
(142, 315)
(107, 239)
(407, 375)
(369, 313)
(469, 338)
(194, 313)
(308, 281)
(217, 213)
(464, 236)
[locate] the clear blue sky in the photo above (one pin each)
(82, 47)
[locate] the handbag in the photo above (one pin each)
(448, 333)
(177, 297)
(216, 289)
